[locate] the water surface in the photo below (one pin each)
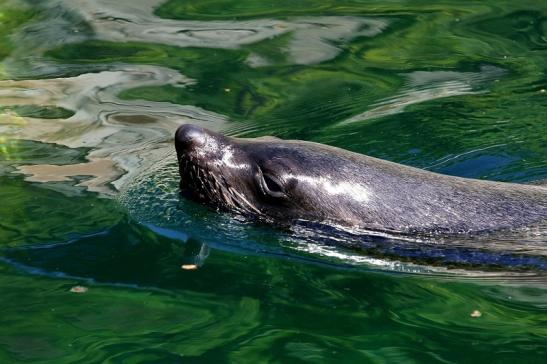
(90, 95)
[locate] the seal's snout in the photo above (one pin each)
(189, 137)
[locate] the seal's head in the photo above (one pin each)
(265, 177)
(287, 180)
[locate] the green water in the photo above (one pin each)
(458, 87)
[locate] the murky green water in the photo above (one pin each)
(90, 94)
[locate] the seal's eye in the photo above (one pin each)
(271, 185)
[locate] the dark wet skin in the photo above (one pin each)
(282, 181)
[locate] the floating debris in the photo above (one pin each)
(189, 266)
(476, 313)
(79, 289)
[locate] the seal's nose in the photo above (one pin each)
(189, 137)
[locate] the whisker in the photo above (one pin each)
(213, 187)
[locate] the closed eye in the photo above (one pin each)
(271, 185)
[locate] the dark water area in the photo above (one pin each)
(90, 95)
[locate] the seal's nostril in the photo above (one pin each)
(189, 136)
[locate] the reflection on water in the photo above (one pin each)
(90, 95)
(128, 133)
(422, 86)
(313, 39)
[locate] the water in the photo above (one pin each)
(90, 94)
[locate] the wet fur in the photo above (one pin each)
(398, 198)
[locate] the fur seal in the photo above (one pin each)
(290, 180)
